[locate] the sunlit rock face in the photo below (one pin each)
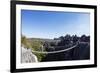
(27, 56)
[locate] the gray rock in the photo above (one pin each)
(27, 56)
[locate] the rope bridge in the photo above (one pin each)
(56, 51)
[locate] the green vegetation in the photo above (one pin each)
(35, 45)
(60, 43)
(25, 42)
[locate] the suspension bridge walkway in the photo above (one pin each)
(59, 51)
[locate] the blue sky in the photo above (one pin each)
(51, 24)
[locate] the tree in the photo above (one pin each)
(67, 39)
(85, 38)
(61, 38)
(75, 38)
(61, 43)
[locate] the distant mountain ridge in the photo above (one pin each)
(43, 39)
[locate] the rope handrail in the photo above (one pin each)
(55, 51)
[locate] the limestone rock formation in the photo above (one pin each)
(27, 56)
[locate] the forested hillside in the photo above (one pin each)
(80, 52)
